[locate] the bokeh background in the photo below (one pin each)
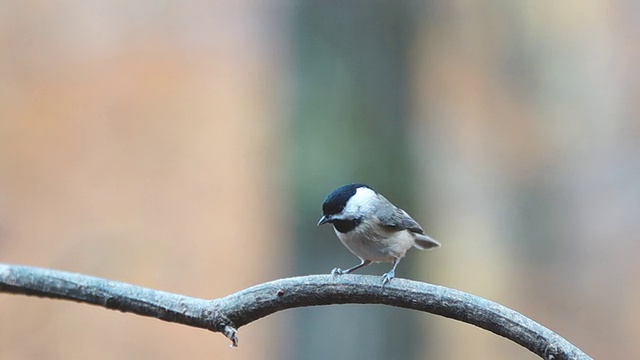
(187, 147)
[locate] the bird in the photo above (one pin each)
(372, 228)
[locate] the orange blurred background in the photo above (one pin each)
(187, 147)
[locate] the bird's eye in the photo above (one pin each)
(331, 209)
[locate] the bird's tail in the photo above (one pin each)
(423, 242)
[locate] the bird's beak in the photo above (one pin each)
(323, 220)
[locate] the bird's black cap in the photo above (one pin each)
(337, 199)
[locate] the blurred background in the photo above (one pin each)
(187, 147)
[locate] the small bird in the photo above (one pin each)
(371, 227)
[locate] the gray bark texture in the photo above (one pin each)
(229, 313)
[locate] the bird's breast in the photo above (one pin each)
(375, 243)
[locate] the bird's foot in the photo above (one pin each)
(386, 278)
(337, 271)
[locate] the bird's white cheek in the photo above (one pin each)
(360, 202)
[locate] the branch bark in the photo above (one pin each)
(227, 314)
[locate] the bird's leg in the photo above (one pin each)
(386, 278)
(338, 271)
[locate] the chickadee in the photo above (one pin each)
(372, 228)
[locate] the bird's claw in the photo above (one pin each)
(337, 271)
(386, 278)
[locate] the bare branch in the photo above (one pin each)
(227, 314)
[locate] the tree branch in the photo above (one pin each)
(227, 314)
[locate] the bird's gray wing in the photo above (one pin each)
(396, 219)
